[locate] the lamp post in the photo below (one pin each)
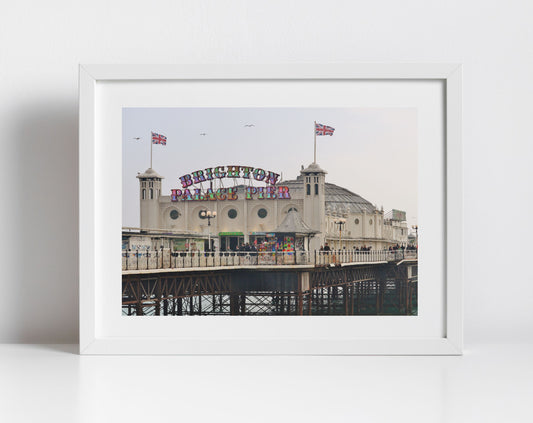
(208, 214)
(415, 227)
(340, 222)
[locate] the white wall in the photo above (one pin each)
(41, 44)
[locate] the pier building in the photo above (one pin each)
(256, 207)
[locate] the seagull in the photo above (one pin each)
(249, 125)
(137, 138)
(203, 134)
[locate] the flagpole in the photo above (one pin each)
(314, 132)
(151, 146)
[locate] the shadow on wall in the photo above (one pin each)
(45, 293)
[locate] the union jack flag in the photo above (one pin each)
(323, 129)
(159, 139)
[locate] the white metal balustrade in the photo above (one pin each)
(167, 259)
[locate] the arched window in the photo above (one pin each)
(316, 189)
(144, 193)
(308, 189)
(151, 193)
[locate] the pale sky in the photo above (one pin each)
(373, 151)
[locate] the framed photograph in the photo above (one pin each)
(261, 209)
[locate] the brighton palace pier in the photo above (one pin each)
(323, 213)
(239, 240)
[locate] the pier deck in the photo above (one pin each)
(338, 284)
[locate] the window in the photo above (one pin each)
(262, 213)
(356, 221)
(144, 194)
(151, 193)
(232, 213)
(316, 189)
(174, 214)
(308, 189)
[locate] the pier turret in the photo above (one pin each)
(314, 198)
(149, 194)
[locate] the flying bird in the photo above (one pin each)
(249, 125)
(203, 134)
(137, 138)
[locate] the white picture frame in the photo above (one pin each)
(95, 230)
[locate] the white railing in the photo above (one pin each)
(167, 259)
(354, 256)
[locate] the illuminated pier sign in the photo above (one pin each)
(220, 172)
(268, 192)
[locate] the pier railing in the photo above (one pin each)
(167, 259)
(354, 256)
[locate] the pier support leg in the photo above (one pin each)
(398, 285)
(344, 300)
(157, 291)
(381, 280)
(329, 299)
(409, 299)
(139, 309)
(358, 299)
(304, 280)
(234, 304)
(351, 298)
(243, 305)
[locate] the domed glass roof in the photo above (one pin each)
(339, 200)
